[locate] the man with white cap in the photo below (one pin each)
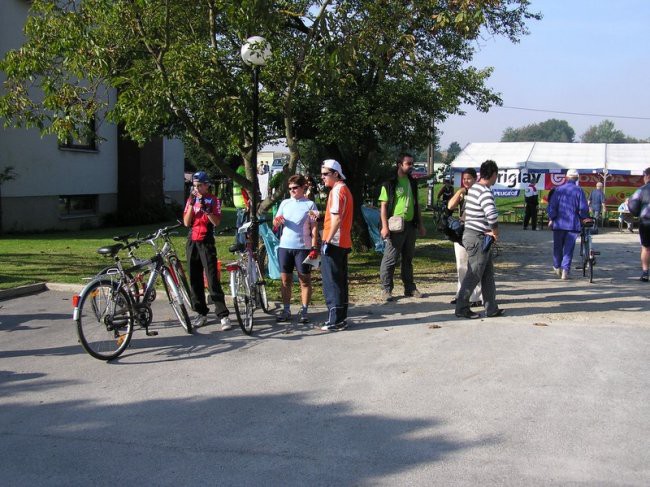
(566, 212)
(337, 244)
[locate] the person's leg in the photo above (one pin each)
(488, 286)
(327, 276)
(569, 244)
(389, 260)
(534, 217)
(407, 253)
(195, 274)
(558, 244)
(286, 263)
(335, 283)
(208, 256)
(645, 259)
(475, 266)
(527, 216)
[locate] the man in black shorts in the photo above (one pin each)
(639, 206)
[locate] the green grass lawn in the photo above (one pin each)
(69, 257)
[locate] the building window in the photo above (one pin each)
(77, 205)
(86, 138)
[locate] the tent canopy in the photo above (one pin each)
(557, 157)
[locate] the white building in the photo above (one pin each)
(74, 185)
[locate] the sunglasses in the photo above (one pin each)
(293, 188)
(326, 173)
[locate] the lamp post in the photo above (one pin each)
(255, 52)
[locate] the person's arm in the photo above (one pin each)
(455, 200)
(383, 206)
(335, 224)
(214, 212)
(188, 212)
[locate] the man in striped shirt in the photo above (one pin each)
(481, 220)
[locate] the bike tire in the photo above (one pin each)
(105, 319)
(261, 290)
(590, 264)
(181, 280)
(176, 301)
(242, 301)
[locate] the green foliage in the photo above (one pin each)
(352, 77)
(551, 130)
(605, 132)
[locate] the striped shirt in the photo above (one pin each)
(480, 211)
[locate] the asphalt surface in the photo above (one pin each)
(554, 393)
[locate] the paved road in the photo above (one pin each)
(555, 393)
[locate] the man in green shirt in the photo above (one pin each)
(399, 198)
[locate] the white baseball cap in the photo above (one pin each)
(572, 173)
(334, 166)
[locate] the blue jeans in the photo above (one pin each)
(564, 242)
(334, 272)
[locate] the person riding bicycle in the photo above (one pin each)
(202, 213)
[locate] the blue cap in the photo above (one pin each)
(201, 177)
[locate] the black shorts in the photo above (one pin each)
(291, 259)
(644, 234)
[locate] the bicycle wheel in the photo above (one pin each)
(178, 273)
(104, 319)
(260, 288)
(176, 300)
(590, 265)
(242, 301)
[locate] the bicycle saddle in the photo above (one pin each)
(111, 250)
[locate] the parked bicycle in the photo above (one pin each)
(131, 243)
(106, 309)
(247, 285)
(587, 253)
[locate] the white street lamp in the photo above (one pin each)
(255, 52)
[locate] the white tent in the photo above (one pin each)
(557, 157)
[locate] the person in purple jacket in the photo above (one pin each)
(566, 211)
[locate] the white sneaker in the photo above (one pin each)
(565, 275)
(225, 324)
(557, 271)
(199, 321)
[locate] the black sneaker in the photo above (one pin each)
(644, 277)
(327, 326)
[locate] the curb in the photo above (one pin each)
(22, 290)
(19, 291)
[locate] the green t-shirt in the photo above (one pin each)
(404, 204)
(237, 198)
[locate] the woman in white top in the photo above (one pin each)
(468, 178)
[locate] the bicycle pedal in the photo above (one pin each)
(595, 253)
(151, 333)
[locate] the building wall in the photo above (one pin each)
(47, 175)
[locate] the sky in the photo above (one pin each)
(584, 56)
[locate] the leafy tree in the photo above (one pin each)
(352, 77)
(551, 130)
(605, 132)
(453, 150)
